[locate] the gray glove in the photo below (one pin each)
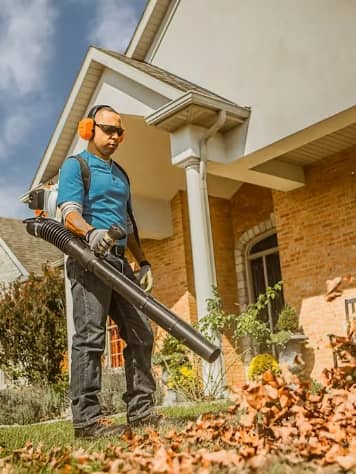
(94, 237)
(145, 278)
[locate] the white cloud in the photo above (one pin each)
(114, 24)
(26, 46)
(26, 27)
(10, 206)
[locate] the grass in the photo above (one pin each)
(61, 433)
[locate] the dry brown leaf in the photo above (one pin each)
(347, 462)
(257, 462)
(160, 461)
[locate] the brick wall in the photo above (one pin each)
(316, 228)
(223, 239)
(250, 205)
(171, 265)
(251, 209)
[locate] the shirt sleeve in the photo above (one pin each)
(70, 187)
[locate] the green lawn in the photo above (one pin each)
(61, 433)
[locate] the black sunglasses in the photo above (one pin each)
(110, 129)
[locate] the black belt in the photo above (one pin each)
(118, 251)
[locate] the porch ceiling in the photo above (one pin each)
(148, 163)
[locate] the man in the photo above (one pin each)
(89, 215)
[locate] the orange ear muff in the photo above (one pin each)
(86, 128)
(123, 135)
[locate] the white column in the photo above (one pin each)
(69, 313)
(203, 264)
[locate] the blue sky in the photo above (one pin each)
(42, 45)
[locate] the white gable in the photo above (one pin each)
(10, 267)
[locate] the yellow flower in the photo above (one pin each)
(186, 371)
(260, 364)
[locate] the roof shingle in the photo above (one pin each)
(32, 252)
(163, 75)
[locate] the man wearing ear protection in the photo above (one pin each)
(89, 213)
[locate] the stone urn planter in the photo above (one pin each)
(170, 396)
(292, 354)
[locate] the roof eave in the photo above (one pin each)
(150, 23)
(159, 117)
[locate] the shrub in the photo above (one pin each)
(260, 364)
(24, 405)
(288, 319)
(33, 328)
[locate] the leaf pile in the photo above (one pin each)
(272, 420)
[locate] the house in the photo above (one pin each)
(20, 255)
(241, 147)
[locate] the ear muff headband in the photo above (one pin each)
(86, 125)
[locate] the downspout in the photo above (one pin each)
(216, 371)
(204, 188)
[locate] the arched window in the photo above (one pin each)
(265, 270)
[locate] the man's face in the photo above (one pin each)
(106, 141)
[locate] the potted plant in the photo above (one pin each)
(170, 358)
(290, 339)
(179, 374)
(249, 329)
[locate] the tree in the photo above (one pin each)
(33, 327)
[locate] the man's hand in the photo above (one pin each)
(145, 277)
(94, 237)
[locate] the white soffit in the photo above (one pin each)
(311, 144)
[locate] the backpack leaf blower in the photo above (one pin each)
(55, 233)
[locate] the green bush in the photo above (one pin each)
(31, 404)
(288, 319)
(33, 328)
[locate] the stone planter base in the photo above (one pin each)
(170, 398)
(292, 355)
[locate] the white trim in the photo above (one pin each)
(158, 37)
(147, 31)
(140, 28)
(14, 259)
(62, 120)
(244, 243)
(254, 240)
(198, 98)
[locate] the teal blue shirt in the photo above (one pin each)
(106, 202)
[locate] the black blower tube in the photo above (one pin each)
(55, 233)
